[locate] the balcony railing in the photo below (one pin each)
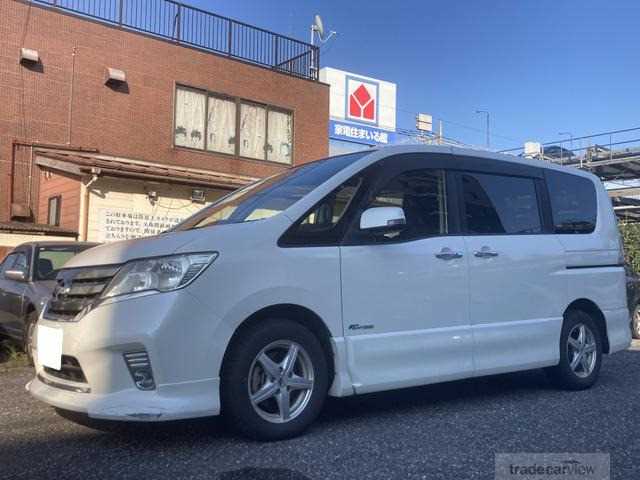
(199, 28)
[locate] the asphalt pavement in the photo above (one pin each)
(448, 431)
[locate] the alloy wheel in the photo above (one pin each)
(280, 382)
(582, 351)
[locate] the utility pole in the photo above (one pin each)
(570, 138)
(570, 145)
(488, 126)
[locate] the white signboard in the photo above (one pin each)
(118, 224)
(359, 99)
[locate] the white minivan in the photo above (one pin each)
(371, 271)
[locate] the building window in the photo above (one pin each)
(221, 125)
(190, 114)
(253, 122)
(53, 213)
(208, 121)
(280, 139)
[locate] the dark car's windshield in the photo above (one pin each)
(270, 196)
(50, 259)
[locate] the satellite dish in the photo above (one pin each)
(319, 26)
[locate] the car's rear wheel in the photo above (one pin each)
(580, 352)
(635, 322)
(274, 380)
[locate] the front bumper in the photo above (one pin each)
(169, 402)
(174, 329)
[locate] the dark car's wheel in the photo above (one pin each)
(580, 353)
(635, 322)
(28, 335)
(274, 380)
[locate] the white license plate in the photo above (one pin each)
(50, 347)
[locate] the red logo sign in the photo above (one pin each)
(362, 104)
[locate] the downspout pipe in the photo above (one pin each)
(95, 172)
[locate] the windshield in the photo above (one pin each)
(50, 259)
(270, 196)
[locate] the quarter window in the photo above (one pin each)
(422, 195)
(573, 202)
(208, 121)
(497, 204)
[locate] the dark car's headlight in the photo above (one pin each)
(161, 274)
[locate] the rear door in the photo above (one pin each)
(405, 293)
(517, 285)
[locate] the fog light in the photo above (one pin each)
(140, 368)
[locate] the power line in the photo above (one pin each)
(584, 137)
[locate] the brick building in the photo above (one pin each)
(118, 126)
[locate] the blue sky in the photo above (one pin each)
(539, 66)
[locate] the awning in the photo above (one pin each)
(35, 229)
(81, 163)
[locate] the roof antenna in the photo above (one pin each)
(318, 27)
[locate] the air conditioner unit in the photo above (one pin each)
(198, 196)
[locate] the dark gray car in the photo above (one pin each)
(27, 278)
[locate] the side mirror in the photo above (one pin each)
(17, 275)
(383, 218)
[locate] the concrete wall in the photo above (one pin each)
(120, 209)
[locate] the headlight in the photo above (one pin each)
(161, 274)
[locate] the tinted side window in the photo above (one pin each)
(497, 204)
(573, 202)
(422, 196)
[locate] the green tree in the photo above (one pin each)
(631, 239)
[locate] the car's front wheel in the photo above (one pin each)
(580, 352)
(274, 380)
(635, 322)
(28, 335)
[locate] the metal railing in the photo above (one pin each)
(199, 28)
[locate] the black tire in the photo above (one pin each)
(635, 322)
(562, 375)
(27, 336)
(237, 408)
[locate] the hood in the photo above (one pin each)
(214, 238)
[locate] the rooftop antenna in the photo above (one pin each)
(318, 27)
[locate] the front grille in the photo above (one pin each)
(76, 289)
(70, 370)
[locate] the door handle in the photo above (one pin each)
(485, 252)
(448, 254)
